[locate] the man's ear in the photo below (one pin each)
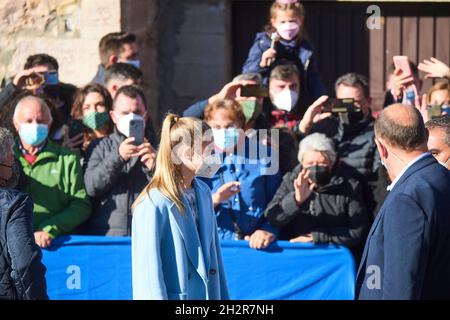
(382, 150)
(114, 89)
(272, 21)
(113, 116)
(112, 59)
(16, 125)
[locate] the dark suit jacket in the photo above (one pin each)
(407, 252)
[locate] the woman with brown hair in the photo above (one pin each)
(90, 117)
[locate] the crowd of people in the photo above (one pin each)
(88, 160)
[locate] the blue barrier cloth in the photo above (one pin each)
(99, 268)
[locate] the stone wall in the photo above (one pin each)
(194, 51)
(185, 45)
(69, 30)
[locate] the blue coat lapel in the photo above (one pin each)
(206, 223)
(198, 248)
(188, 230)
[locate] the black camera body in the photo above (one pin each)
(337, 106)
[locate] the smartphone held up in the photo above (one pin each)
(137, 131)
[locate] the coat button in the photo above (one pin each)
(212, 272)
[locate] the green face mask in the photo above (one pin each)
(252, 109)
(96, 120)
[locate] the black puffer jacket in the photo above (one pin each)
(335, 213)
(22, 275)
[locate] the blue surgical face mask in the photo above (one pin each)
(136, 63)
(225, 139)
(33, 133)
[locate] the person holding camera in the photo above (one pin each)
(40, 76)
(352, 130)
(251, 103)
(120, 165)
(279, 105)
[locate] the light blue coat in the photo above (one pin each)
(169, 259)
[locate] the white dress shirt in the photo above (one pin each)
(392, 185)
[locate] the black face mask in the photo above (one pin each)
(351, 117)
(320, 175)
(14, 179)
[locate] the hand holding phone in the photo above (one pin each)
(74, 137)
(405, 83)
(402, 63)
(75, 127)
(34, 80)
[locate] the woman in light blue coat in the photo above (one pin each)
(176, 251)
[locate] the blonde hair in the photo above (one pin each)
(276, 7)
(442, 85)
(167, 177)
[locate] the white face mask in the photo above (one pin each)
(209, 167)
(225, 139)
(123, 124)
(285, 100)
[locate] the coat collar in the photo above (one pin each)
(49, 151)
(197, 243)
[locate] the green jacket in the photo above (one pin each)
(55, 182)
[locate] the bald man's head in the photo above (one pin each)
(401, 126)
(31, 109)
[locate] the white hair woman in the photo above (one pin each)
(319, 201)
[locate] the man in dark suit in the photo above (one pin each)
(407, 252)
